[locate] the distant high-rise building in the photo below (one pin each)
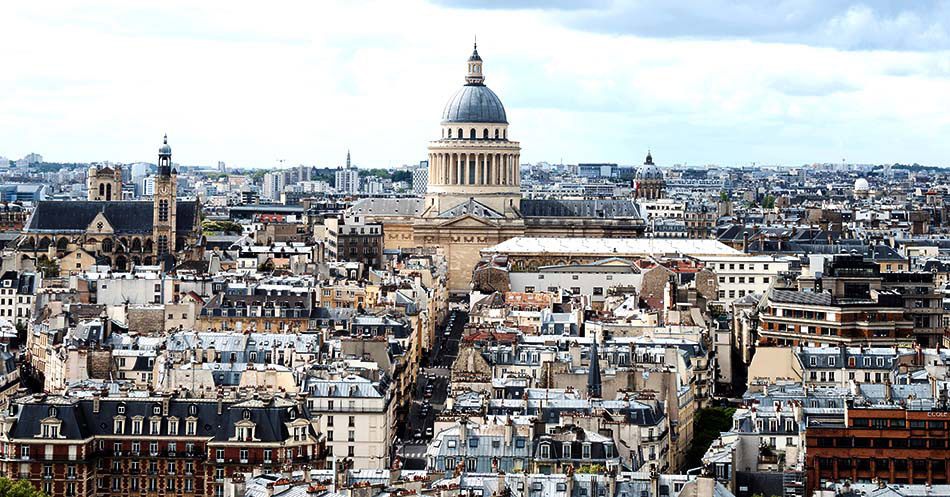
(148, 186)
(347, 180)
(222, 168)
(420, 178)
(274, 183)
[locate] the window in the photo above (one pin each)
(243, 455)
(473, 442)
(163, 210)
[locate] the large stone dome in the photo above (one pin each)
(474, 103)
(861, 185)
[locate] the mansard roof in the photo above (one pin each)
(80, 421)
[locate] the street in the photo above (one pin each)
(430, 393)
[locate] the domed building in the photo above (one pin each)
(474, 160)
(861, 188)
(649, 183)
(473, 196)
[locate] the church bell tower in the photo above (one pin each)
(164, 204)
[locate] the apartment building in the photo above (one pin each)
(355, 414)
(125, 444)
(743, 275)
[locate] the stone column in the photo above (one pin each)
(503, 163)
(517, 168)
(479, 169)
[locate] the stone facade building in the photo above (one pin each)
(118, 233)
(473, 199)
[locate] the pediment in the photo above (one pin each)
(468, 221)
(100, 225)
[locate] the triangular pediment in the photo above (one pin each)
(473, 207)
(100, 225)
(468, 221)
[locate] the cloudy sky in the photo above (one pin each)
(726, 82)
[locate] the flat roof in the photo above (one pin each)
(524, 245)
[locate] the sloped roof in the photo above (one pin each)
(124, 216)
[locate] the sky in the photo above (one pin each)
(265, 84)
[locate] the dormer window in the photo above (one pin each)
(121, 409)
(247, 414)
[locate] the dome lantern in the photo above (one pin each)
(475, 76)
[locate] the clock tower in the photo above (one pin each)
(164, 205)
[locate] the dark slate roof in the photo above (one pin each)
(79, 420)
(603, 209)
(474, 103)
(124, 216)
(804, 298)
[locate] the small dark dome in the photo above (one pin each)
(475, 56)
(649, 171)
(165, 149)
(474, 104)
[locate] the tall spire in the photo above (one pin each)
(347, 158)
(594, 384)
(474, 75)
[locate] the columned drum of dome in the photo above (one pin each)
(473, 158)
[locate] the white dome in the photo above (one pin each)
(861, 185)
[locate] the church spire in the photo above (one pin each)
(347, 158)
(474, 76)
(594, 383)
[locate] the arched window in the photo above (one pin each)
(102, 190)
(109, 191)
(460, 134)
(450, 132)
(471, 134)
(163, 210)
(504, 134)
(485, 134)
(496, 134)
(162, 245)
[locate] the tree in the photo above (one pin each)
(50, 269)
(768, 202)
(709, 423)
(22, 488)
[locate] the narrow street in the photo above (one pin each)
(429, 393)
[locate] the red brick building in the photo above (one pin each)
(156, 445)
(894, 444)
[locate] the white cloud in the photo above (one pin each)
(303, 82)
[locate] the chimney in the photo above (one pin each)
(612, 481)
(502, 484)
(166, 400)
(463, 432)
(220, 403)
(509, 431)
(95, 403)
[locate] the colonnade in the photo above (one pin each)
(475, 168)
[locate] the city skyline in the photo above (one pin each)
(863, 82)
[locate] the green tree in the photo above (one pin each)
(22, 488)
(707, 426)
(229, 227)
(50, 269)
(723, 197)
(768, 202)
